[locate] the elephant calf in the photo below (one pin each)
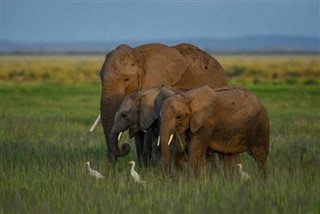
(137, 113)
(229, 120)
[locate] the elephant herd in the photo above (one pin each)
(177, 105)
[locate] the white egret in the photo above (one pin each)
(244, 175)
(94, 173)
(133, 172)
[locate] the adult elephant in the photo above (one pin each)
(126, 70)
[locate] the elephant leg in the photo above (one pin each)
(197, 156)
(138, 139)
(147, 148)
(260, 155)
(229, 162)
(211, 159)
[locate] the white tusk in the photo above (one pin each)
(145, 131)
(158, 143)
(93, 127)
(170, 139)
(119, 136)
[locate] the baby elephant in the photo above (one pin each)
(229, 120)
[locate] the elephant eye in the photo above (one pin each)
(132, 64)
(124, 114)
(126, 79)
(178, 116)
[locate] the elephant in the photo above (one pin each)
(227, 160)
(126, 70)
(137, 113)
(229, 120)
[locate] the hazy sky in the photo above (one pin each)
(47, 21)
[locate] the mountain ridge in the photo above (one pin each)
(232, 44)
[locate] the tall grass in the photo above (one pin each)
(45, 142)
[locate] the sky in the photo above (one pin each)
(81, 20)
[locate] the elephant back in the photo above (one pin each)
(203, 69)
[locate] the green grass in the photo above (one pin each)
(45, 140)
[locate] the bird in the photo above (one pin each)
(94, 173)
(133, 172)
(244, 175)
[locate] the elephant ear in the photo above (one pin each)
(163, 65)
(203, 103)
(162, 96)
(146, 108)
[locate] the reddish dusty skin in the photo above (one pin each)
(229, 120)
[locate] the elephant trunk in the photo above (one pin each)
(114, 148)
(108, 107)
(165, 134)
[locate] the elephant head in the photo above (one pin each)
(136, 112)
(189, 110)
(126, 70)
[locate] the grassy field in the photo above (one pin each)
(49, 104)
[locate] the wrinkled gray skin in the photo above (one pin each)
(137, 113)
(126, 70)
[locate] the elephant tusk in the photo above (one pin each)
(158, 143)
(170, 139)
(119, 136)
(95, 124)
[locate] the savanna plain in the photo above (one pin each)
(48, 104)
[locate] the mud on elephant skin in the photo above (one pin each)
(229, 120)
(126, 70)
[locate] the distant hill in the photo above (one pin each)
(236, 45)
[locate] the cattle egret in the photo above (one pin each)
(94, 173)
(134, 174)
(243, 174)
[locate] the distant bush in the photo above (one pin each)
(241, 69)
(311, 82)
(292, 81)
